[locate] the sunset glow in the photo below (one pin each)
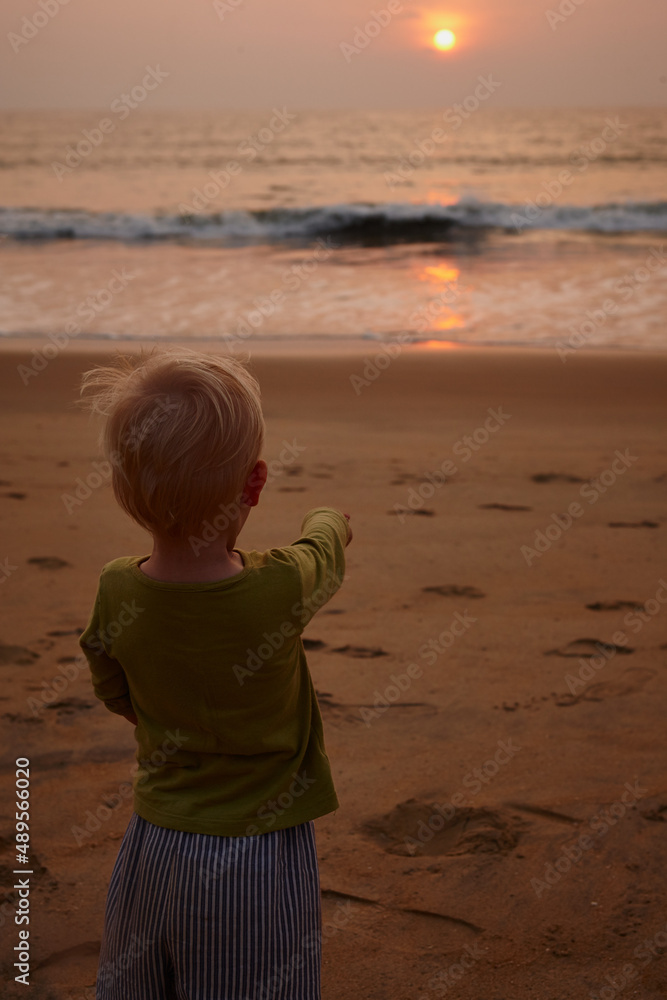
(444, 40)
(438, 345)
(359, 56)
(440, 275)
(452, 322)
(439, 312)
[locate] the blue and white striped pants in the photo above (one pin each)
(196, 917)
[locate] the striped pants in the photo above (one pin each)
(196, 917)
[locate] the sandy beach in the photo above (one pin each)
(491, 675)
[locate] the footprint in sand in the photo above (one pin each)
(48, 562)
(339, 711)
(633, 524)
(544, 813)
(655, 811)
(556, 477)
(292, 489)
(405, 511)
(468, 831)
(15, 496)
(334, 711)
(17, 654)
(533, 704)
(313, 643)
(365, 903)
(453, 590)
(616, 606)
(401, 478)
(502, 506)
(589, 647)
(40, 876)
(69, 706)
(631, 681)
(294, 470)
(557, 941)
(13, 717)
(337, 894)
(58, 633)
(361, 652)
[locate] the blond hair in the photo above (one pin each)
(183, 432)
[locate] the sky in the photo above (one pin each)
(241, 54)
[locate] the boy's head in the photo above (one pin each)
(183, 433)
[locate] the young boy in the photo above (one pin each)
(215, 891)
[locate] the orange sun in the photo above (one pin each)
(444, 40)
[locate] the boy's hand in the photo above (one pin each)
(349, 530)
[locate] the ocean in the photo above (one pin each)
(464, 226)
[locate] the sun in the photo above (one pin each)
(444, 40)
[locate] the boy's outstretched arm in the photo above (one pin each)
(319, 557)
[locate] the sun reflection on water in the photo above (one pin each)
(438, 312)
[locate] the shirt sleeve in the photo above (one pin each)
(320, 555)
(109, 680)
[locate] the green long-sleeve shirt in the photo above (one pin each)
(229, 733)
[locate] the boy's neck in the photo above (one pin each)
(173, 560)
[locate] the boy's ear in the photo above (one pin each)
(255, 483)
